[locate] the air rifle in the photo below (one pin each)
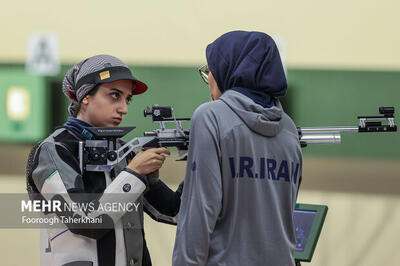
(102, 153)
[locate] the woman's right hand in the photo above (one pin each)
(148, 161)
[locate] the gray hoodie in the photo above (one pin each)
(243, 173)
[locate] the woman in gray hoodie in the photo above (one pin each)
(244, 162)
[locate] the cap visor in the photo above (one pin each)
(140, 87)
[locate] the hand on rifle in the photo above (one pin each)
(148, 161)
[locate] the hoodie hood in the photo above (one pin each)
(263, 121)
(248, 62)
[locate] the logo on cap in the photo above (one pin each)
(105, 75)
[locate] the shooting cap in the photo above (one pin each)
(87, 74)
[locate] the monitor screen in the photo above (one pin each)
(303, 221)
(308, 222)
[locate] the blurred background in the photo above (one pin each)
(341, 60)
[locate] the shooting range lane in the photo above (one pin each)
(369, 176)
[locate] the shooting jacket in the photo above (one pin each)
(53, 172)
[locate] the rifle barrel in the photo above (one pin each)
(321, 138)
(323, 130)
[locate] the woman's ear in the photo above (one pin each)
(86, 99)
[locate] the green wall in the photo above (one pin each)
(315, 98)
(336, 98)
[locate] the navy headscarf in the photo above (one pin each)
(248, 62)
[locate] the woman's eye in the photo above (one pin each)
(115, 95)
(128, 100)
